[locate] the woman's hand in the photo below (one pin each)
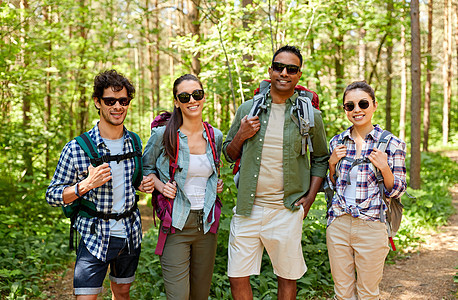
(219, 186)
(169, 190)
(379, 159)
(337, 154)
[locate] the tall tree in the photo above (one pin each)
(402, 116)
(194, 26)
(26, 94)
(362, 54)
(447, 70)
(389, 67)
(415, 139)
(426, 109)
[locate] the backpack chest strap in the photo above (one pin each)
(119, 157)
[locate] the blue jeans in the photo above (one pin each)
(90, 271)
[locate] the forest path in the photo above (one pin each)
(428, 273)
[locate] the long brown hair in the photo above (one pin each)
(169, 140)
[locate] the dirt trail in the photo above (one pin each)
(427, 274)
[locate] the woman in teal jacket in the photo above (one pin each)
(189, 253)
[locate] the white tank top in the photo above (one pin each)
(195, 185)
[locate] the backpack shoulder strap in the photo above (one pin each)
(303, 116)
(211, 136)
(88, 146)
(138, 172)
(259, 100)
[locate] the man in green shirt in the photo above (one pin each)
(277, 183)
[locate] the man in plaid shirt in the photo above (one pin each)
(110, 187)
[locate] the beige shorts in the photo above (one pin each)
(278, 230)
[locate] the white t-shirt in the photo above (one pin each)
(117, 228)
(350, 190)
(195, 185)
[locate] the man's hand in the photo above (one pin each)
(147, 184)
(306, 202)
(219, 186)
(249, 127)
(98, 176)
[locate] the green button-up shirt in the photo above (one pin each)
(297, 170)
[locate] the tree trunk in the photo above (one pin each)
(362, 54)
(339, 65)
(81, 87)
(426, 110)
(415, 140)
(157, 60)
(402, 116)
(447, 71)
(47, 101)
(26, 97)
(194, 26)
(389, 68)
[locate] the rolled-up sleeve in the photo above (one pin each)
(397, 162)
(64, 176)
(241, 112)
(320, 155)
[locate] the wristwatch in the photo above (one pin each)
(76, 191)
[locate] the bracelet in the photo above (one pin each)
(76, 191)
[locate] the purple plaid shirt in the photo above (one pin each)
(368, 198)
(72, 168)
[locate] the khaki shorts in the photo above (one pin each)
(278, 230)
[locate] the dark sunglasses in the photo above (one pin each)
(290, 69)
(349, 106)
(186, 97)
(110, 101)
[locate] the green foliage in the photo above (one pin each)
(32, 239)
(433, 203)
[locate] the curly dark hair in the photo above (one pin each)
(291, 49)
(114, 80)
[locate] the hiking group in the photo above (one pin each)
(277, 142)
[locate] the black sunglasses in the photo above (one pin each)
(186, 97)
(110, 101)
(349, 106)
(290, 69)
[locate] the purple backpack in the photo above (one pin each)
(163, 206)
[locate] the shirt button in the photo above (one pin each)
(260, 140)
(252, 195)
(257, 158)
(265, 122)
(255, 176)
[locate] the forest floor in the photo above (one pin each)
(425, 274)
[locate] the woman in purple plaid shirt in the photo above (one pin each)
(356, 238)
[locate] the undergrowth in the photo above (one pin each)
(34, 239)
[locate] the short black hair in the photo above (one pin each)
(114, 80)
(359, 85)
(291, 49)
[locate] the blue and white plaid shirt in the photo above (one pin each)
(72, 168)
(368, 198)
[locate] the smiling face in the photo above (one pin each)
(193, 108)
(360, 118)
(112, 115)
(282, 83)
